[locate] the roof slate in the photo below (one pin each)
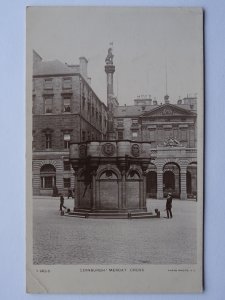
(54, 67)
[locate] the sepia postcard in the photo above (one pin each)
(114, 173)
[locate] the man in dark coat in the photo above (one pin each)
(169, 205)
(61, 202)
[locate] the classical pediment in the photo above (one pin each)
(168, 110)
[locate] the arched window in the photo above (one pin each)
(108, 175)
(171, 179)
(48, 176)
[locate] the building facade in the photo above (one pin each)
(65, 108)
(172, 131)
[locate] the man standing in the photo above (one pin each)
(169, 205)
(61, 202)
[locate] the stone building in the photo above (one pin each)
(172, 131)
(65, 108)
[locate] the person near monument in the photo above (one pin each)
(61, 202)
(169, 205)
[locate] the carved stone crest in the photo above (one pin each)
(108, 149)
(171, 142)
(82, 151)
(135, 150)
(167, 111)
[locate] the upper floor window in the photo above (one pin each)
(66, 104)
(120, 122)
(66, 182)
(48, 140)
(135, 122)
(66, 165)
(66, 140)
(120, 135)
(88, 136)
(83, 136)
(48, 105)
(83, 102)
(67, 83)
(48, 84)
(134, 134)
(89, 106)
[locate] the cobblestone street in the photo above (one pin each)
(67, 240)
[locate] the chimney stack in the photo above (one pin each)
(166, 99)
(83, 67)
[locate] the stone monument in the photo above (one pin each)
(110, 178)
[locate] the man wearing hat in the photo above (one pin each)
(169, 205)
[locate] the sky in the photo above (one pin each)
(156, 51)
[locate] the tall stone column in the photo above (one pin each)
(110, 69)
(159, 184)
(183, 184)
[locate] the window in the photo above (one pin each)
(48, 84)
(88, 136)
(134, 121)
(48, 176)
(83, 136)
(66, 104)
(67, 83)
(134, 134)
(48, 141)
(83, 103)
(48, 105)
(66, 182)
(120, 135)
(66, 165)
(33, 144)
(183, 135)
(120, 122)
(66, 140)
(152, 135)
(48, 182)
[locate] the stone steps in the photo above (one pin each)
(112, 215)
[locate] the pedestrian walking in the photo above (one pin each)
(61, 202)
(169, 205)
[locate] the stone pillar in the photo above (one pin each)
(160, 184)
(93, 189)
(122, 203)
(75, 188)
(110, 69)
(143, 204)
(183, 184)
